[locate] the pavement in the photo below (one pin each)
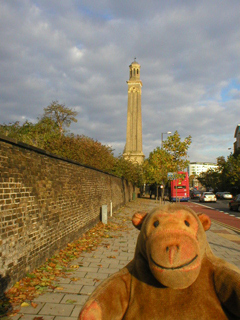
(66, 301)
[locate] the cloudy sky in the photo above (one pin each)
(79, 52)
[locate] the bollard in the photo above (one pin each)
(104, 214)
(111, 208)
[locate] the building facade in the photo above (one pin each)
(236, 144)
(196, 168)
(133, 148)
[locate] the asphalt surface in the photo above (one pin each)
(219, 212)
(66, 301)
(221, 205)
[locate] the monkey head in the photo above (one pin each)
(173, 242)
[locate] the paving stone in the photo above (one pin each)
(93, 259)
(80, 274)
(74, 299)
(84, 281)
(87, 289)
(126, 254)
(122, 258)
(65, 318)
(50, 297)
(123, 263)
(62, 280)
(95, 275)
(83, 263)
(56, 309)
(31, 317)
(97, 283)
(31, 310)
(99, 264)
(108, 270)
(78, 308)
(89, 269)
(110, 261)
(117, 264)
(69, 288)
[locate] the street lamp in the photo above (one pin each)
(169, 132)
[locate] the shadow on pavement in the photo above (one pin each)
(5, 305)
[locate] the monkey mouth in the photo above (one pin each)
(174, 268)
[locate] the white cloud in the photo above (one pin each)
(78, 53)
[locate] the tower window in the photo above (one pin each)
(137, 71)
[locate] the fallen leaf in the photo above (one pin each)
(52, 265)
(34, 305)
(71, 301)
(25, 304)
(75, 279)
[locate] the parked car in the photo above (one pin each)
(208, 197)
(226, 195)
(195, 194)
(234, 204)
(219, 195)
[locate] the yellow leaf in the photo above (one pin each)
(25, 304)
(75, 279)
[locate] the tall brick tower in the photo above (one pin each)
(133, 149)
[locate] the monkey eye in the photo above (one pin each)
(156, 223)
(187, 223)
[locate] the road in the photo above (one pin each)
(220, 205)
(218, 211)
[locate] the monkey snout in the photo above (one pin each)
(172, 252)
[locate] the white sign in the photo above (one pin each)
(171, 175)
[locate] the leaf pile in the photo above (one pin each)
(42, 278)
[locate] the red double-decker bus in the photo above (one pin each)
(180, 187)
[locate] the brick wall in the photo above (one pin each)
(46, 202)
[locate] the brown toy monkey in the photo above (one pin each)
(174, 274)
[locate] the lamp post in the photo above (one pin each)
(169, 132)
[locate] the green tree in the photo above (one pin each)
(210, 179)
(172, 157)
(84, 150)
(60, 114)
(133, 172)
(226, 178)
(11, 130)
(178, 151)
(232, 173)
(157, 166)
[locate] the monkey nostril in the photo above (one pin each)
(174, 248)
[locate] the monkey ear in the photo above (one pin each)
(205, 220)
(138, 219)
